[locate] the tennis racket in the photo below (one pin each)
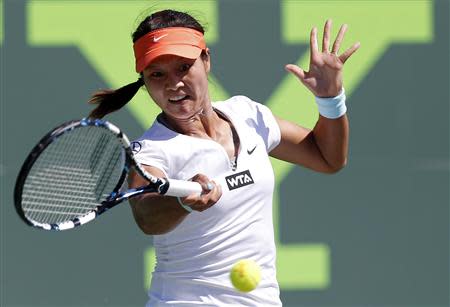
(78, 171)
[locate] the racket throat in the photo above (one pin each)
(159, 187)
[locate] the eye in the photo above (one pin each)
(185, 67)
(156, 74)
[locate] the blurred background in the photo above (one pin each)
(375, 234)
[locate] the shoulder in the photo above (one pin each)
(241, 106)
(253, 115)
(236, 103)
(154, 146)
(158, 132)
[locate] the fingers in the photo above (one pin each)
(208, 199)
(204, 182)
(297, 71)
(313, 42)
(210, 195)
(347, 53)
(326, 42)
(339, 38)
(326, 36)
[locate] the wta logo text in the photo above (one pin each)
(239, 180)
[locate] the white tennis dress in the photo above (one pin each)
(194, 259)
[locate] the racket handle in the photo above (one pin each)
(183, 188)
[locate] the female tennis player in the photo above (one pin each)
(225, 146)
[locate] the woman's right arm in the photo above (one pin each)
(158, 214)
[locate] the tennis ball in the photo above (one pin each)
(245, 275)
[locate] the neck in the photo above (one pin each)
(204, 124)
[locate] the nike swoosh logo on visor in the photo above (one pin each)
(155, 39)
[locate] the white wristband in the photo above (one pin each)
(333, 107)
(186, 207)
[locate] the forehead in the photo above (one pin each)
(168, 60)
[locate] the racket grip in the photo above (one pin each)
(183, 188)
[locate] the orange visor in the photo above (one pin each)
(183, 42)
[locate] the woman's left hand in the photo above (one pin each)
(324, 78)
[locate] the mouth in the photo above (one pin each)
(177, 99)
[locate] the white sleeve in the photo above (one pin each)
(273, 137)
(149, 153)
(262, 119)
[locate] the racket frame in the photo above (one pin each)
(156, 184)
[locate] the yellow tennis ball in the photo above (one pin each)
(245, 275)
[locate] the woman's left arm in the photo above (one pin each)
(324, 148)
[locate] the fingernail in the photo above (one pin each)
(210, 186)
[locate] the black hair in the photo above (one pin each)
(108, 101)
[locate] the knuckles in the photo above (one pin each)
(208, 198)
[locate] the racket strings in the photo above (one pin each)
(73, 175)
(106, 153)
(44, 201)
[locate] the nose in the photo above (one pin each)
(174, 82)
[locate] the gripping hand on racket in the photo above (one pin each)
(210, 195)
(156, 214)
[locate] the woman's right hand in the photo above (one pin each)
(211, 193)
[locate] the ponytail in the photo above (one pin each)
(108, 101)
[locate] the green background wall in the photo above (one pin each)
(375, 234)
